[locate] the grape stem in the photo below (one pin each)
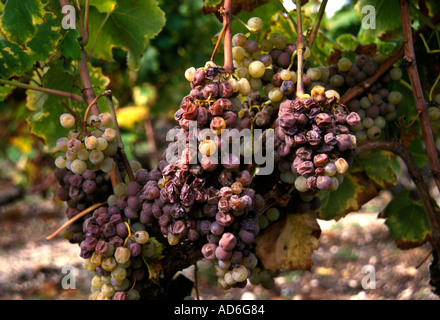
(414, 171)
(316, 25)
(75, 218)
(300, 51)
(42, 89)
(227, 22)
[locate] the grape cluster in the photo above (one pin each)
(79, 192)
(314, 137)
(377, 105)
(87, 150)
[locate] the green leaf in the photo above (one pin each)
(20, 18)
(69, 46)
(5, 90)
(336, 204)
(377, 164)
(130, 27)
(407, 221)
(15, 61)
(43, 45)
(348, 41)
(387, 17)
(104, 5)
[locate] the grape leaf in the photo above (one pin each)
(386, 14)
(130, 26)
(69, 46)
(348, 41)
(407, 221)
(289, 243)
(377, 165)
(104, 5)
(335, 204)
(5, 90)
(20, 18)
(15, 61)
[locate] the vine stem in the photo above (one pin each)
(227, 23)
(420, 102)
(316, 25)
(42, 89)
(414, 171)
(75, 218)
(300, 50)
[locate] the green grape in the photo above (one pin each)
(60, 162)
(78, 166)
(395, 74)
(335, 184)
(255, 24)
(67, 120)
(255, 84)
(141, 237)
(172, 239)
(307, 53)
(337, 81)
(263, 222)
(108, 264)
(275, 94)
(125, 284)
(256, 69)
(149, 249)
(102, 144)
(279, 41)
(112, 148)
(110, 134)
(97, 282)
(380, 122)
(94, 121)
(238, 53)
(120, 189)
(365, 102)
(368, 122)
(219, 272)
(344, 64)
(437, 99)
(330, 169)
(96, 156)
(266, 45)
(300, 184)
(91, 142)
(273, 214)
(240, 273)
(244, 87)
(395, 97)
(107, 165)
(433, 113)
(285, 75)
(83, 155)
(239, 39)
(314, 74)
(288, 177)
(229, 279)
(324, 73)
(61, 144)
(106, 119)
(122, 255)
(373, 133)
(361, 136)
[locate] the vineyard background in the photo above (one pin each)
(30, 266)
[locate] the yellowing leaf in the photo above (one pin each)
(289, 243)
(131, 115)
